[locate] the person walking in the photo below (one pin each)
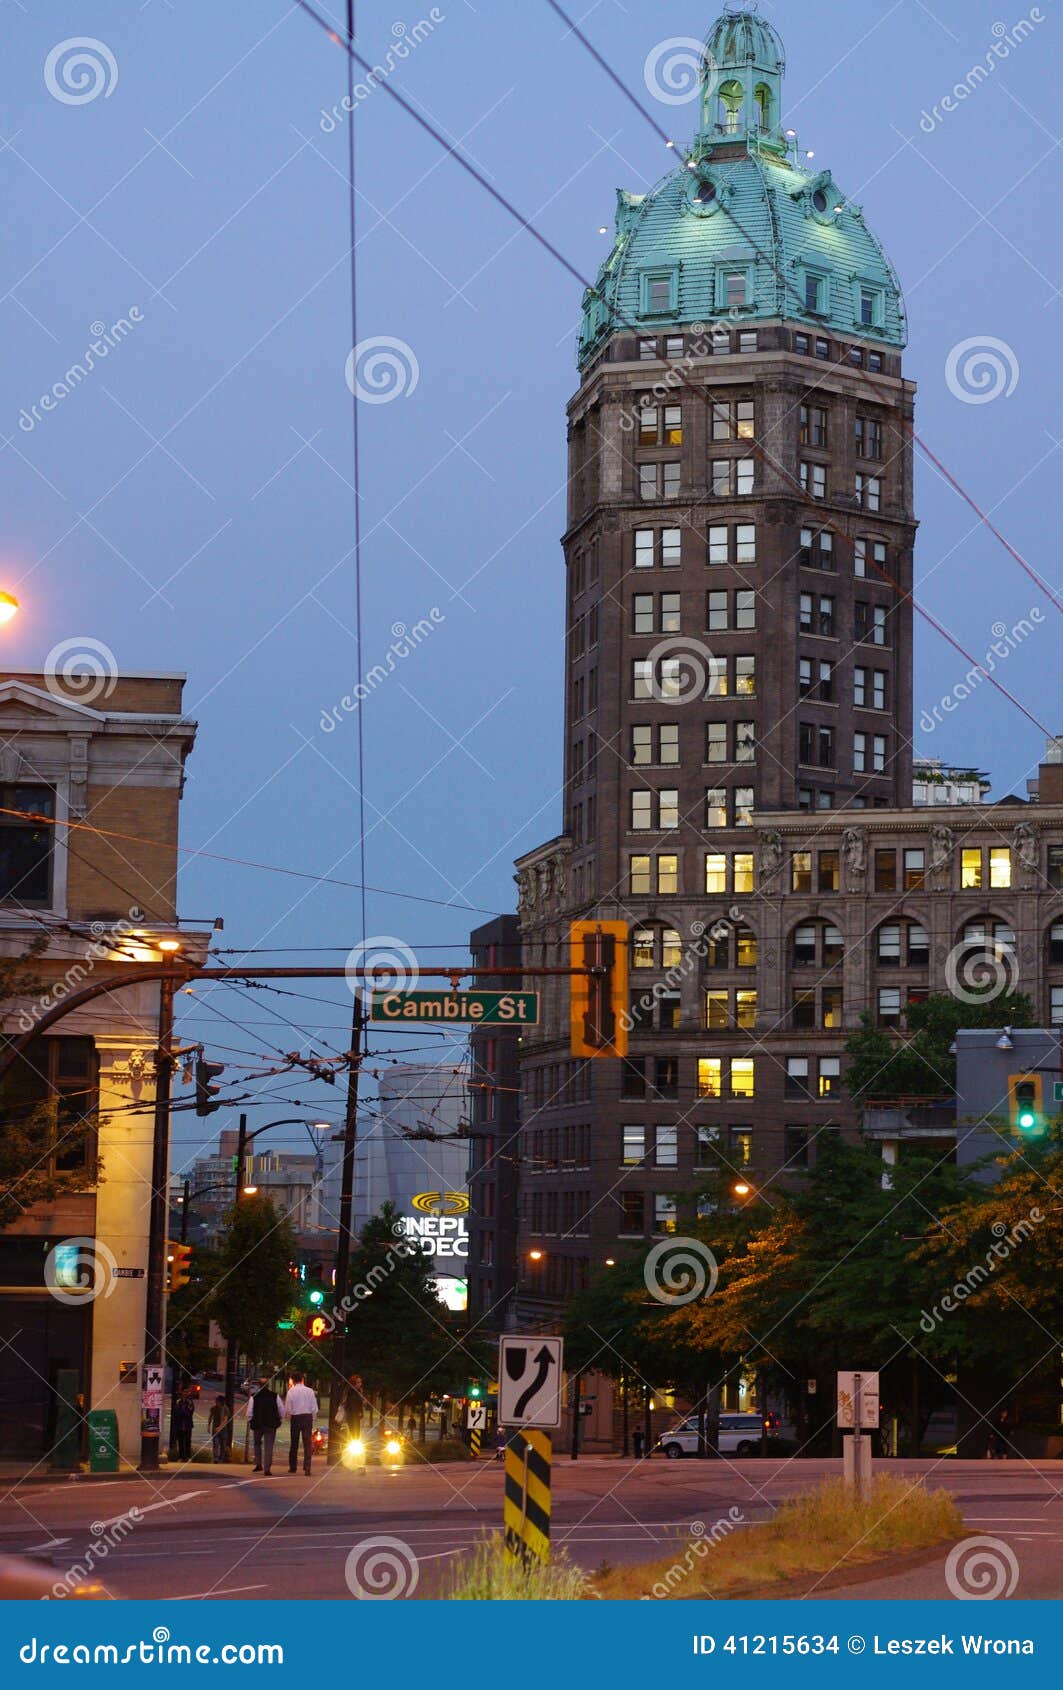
(300, 1409)
(219, 1425)
(184, 1414)
(265, 1419)
(501, 1440)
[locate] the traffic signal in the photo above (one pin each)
(206, 1086)
(1026, 1103)
(599, 1008)
(315, 1296)
(178, 1264)
(474, 1391)
(317, 1326)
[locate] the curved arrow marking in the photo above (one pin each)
(544, 1361)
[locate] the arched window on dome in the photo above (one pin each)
(762, 105)
(729, 107)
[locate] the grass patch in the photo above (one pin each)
(450, 1449)
(487, 1574)
(815, 1532)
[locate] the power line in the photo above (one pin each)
(699, 390)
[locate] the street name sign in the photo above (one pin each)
(1057, 1091)
(530, 1381)
(868, 1401)
(512, 1009)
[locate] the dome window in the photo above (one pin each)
(729, 107)
(660, 293)
(819, 200)
(762, 105)
(706, 193)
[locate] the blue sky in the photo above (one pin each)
(189, 505)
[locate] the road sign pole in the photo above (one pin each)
(858, 1415)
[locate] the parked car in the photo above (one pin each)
(739, 1435)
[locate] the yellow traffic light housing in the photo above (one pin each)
(1026, 1103)
(599, 998)
(178, 1265)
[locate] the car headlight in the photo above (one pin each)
(392, 1447)
(356, 1447)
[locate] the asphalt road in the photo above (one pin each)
(203, 1532)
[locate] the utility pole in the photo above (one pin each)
(343, 1242)
(185, 1200)
(230, 1343)
(155, 1295)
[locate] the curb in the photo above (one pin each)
(863, 1572)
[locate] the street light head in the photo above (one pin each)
(9, 607)
(250, 1191)
(741, 1188)
(535, 1255)
(169, 945)
(1004, 1041)
(321, 1126)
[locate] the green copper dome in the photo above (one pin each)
(745, 231)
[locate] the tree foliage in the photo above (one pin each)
(401, 1338)
(254, 1287)
(884, 1064)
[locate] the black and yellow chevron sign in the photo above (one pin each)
(526, 1509)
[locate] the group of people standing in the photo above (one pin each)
(265, 1413)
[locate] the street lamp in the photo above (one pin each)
(9, 607)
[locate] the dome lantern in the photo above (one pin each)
(741, 87)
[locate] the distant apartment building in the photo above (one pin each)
(935, 783)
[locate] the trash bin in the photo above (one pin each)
(103, 1440)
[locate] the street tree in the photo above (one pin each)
(401, 1338)
(254, 1287)
(886, 1064)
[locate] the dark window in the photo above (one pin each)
(633, 1077)
(63, 1072)
(803, 1009)
(631, 1211)
(666, 1076)
(26, 846)
(796, 1147)
(828, 871)
(1055, 866)
(885, 871)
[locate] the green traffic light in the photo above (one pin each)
(317, 1297)
(1027, 1119)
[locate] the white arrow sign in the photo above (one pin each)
(476, 1416)
(530, 1381)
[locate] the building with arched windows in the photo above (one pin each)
(738, 719)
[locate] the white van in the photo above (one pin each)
(739, 1435)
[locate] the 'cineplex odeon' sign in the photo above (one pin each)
(439, 1226)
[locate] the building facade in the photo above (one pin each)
(72, 1264)
(494, 1127)
(738, 770)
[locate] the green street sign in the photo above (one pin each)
(1057, 1090)
(511, 1009)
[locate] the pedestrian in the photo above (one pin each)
(998, 1437)
(411, 1428)
(184, 1413)
(219, 1424)
(300, 1408)
(352, 1405)
(265, 1418)
(637, 1440)
(501, 1440)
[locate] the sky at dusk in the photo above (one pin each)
(189, 505)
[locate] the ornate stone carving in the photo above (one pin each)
(942, 842)
(854, 846)
(130, 1073)
(771, 854)
(1024, 851)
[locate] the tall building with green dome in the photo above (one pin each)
(738, 663)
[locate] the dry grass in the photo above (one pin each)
(815, 1532)
(487, 1574)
